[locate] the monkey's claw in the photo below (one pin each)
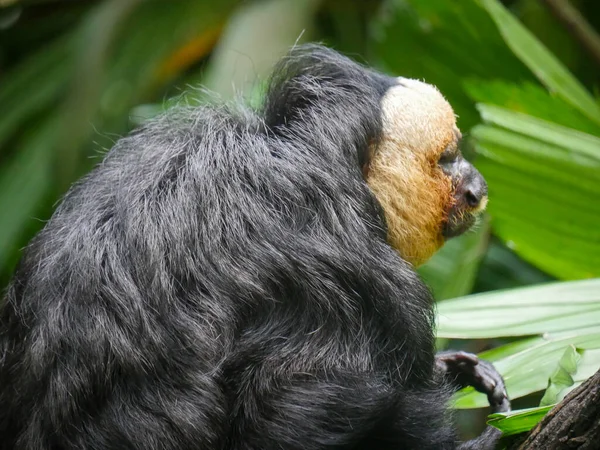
(466, 369)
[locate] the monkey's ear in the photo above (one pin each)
(365, 162)
(365, 170)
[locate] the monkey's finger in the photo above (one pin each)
(466, 358)
(498, 396)
(458, 358)
(500, 405)
(485, 378)
(493, 385)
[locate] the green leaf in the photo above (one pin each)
(587, 366)
(519, 421)
(541, 62)
(34, 85)
(512, 149)
(544, 182)
(576, 142)
(526, 365)
(552, 307)
(24, 182)
(562, 377)
(113, 59)
(531, 99)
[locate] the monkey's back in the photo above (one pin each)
(118, 307)
(206, 261)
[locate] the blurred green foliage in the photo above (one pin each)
(74, 76)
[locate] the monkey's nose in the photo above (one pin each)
(475, 191)
(473, 197)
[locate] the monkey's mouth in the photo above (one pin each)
(462, 217)
(458, 222)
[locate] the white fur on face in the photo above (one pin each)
(404, 175)
(417, 116)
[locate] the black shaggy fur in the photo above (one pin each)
(223, 281)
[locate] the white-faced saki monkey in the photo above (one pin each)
(233, 278)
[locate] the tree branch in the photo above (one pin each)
(576, 24)
(573, 424)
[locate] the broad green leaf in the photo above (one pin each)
(548, 216)
(567, 256)
(550, 200)
(451, 271)
(541, 62)
(519, 421)
(544, 182)
(577, 142)
(513, 149)
(552, 307)
(531, 99)
(527, 365)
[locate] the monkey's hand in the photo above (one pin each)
(463, 369)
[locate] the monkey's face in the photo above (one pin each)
(428, 191)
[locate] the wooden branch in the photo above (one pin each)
(576, 25)
(573, 424)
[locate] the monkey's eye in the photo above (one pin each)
(448, 155)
